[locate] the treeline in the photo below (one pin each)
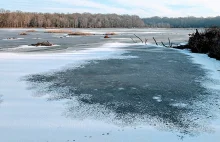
(182, 22)
(19, 19)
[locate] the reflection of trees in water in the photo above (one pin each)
(128, 92)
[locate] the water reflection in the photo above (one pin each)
(161, 89)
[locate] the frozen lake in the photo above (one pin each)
(87, 88)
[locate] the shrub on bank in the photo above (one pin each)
(207, 42)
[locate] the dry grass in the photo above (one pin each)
(50, 28)
(23, 33)
(58, 31)
(207, 42)
(31, 31)
(79, 34)
(112, 33)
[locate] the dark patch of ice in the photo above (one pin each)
(124, 90)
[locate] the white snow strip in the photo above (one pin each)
(179, 105)
(211, 65)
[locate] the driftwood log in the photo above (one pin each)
(139, 38)
(133, 40)
(181, 47)
(155, 41)
(169, 42)
(163, 44)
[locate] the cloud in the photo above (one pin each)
(143, 8)
(147, 8)
(168, 8)
(140, 7)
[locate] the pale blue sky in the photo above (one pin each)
(143, 8)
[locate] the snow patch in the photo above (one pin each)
(158, 98)
(212, 66)
(179, 105)
(37, 38)
(75, 58)
(28, 46)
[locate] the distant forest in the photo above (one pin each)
(182, 22)
(19, 19)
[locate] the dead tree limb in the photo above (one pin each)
(169, 42)
(139, 38)
(163, 44)
(133, 40)
(155, 41)
(146, 41)
(175, 44)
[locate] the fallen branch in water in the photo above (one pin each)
(133, 40)
(155, 41)
(169, 42)
(163, 44)
(146, 41)
(139, 38)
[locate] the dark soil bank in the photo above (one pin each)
(207, 42)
